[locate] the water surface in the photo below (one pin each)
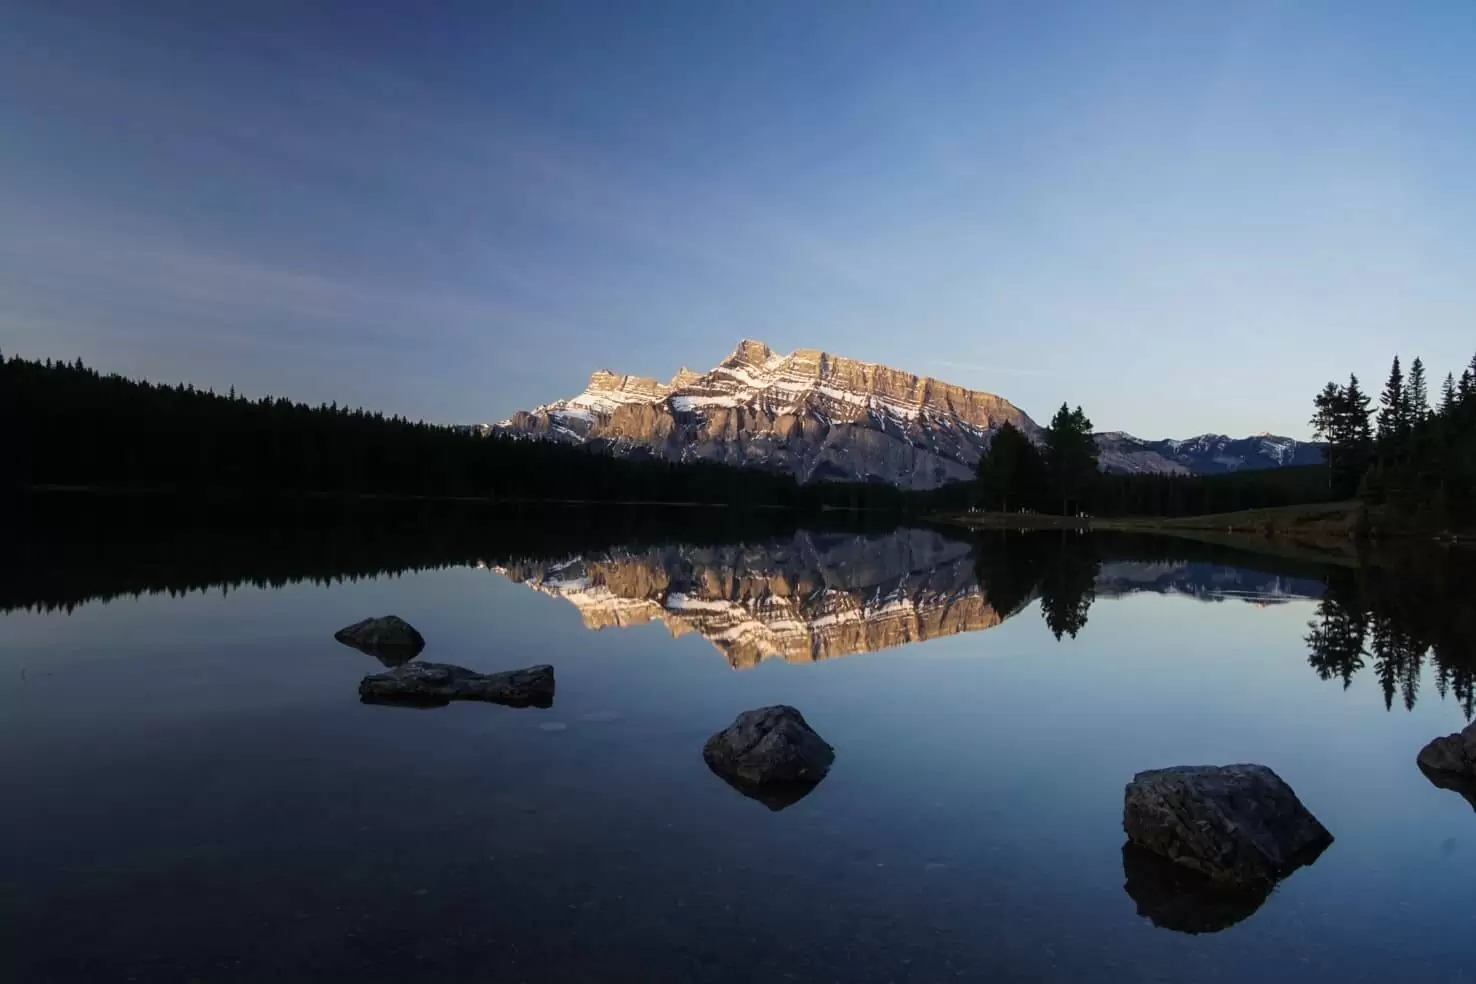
(198, 794)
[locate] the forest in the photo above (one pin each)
(69, 426)
(1417, 457)
(1060, 476)
(1416, 461)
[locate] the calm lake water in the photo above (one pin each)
(195, 791)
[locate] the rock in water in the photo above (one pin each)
(1240, 825)
(389, 639)
(767, 748)
(1454, 755)
(437, 684)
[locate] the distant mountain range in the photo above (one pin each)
(1207, 454)
(826, 417)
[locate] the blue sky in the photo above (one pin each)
(1184, 216)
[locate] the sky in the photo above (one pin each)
(1185, 217)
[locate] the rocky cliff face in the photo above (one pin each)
(816, 415)
(811, 598)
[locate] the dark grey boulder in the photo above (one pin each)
(1240, 826)
(437, 684)
(389, 639)
(770, 753)
(1173, 897)
(1453, 755)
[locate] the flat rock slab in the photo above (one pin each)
(770, 753)
(1453, 755)
(437, 684)
(1241, 826)
(388, 638)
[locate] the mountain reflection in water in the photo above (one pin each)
(751, 583)
(811, 597)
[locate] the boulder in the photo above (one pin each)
(437, 684)
(1241, 826)
(770, 753)
(389, 639)
(1453, 755)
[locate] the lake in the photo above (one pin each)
(197, 793)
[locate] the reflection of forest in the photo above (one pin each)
(1400, 621)
(749, 581)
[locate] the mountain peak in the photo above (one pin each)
(818, 415)
(750, 352)
(684, 377)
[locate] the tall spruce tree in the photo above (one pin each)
(1393, 410)
(1071, 457)
(1416, 399)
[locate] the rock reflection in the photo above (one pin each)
(1174, 897)
(776, 796)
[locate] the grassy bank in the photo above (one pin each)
(1326, 531)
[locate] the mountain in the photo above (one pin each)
(816, 415)
(821, 416)
(1208, 454)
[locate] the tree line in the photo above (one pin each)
(1060, 475)
(67, 425)
(1417, 457)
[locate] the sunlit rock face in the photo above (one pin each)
(817, 415)
(813, 597)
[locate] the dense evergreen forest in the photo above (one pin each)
(1418, 457)
(1060, 476)
(1417, 460)
(67, 425)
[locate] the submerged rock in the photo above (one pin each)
(771, 754)
(1239, 825)
(437, 684)
(1172, 896)
(389, 639)
(1453, 755)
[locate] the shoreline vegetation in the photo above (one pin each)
(1337, 532)
(74, 431)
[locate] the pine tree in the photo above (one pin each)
(1447, 396)
(1416, 400)
(1353, 436)
(1393, 408)
(1071, 456)
(1009, 471)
